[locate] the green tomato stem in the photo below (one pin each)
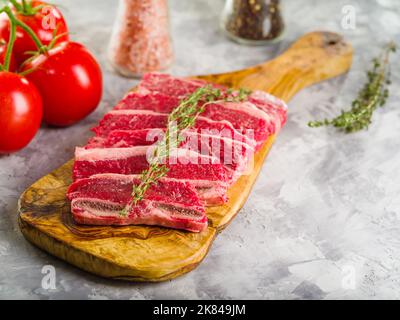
(13, 37)
(24, 6)
(32, 34)
(16, 5)
(14, 23)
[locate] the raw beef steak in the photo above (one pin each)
(143, 119)
(162, 84)
(100, 199)
(185, 164)
(242, 115)
(233, 154)
(170, 86)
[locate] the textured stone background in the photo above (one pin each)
(326, 207)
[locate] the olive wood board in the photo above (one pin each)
(145, 253)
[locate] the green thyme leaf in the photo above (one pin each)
(373, 95)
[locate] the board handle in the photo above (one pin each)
(315, 57)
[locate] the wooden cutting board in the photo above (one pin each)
(142, 253)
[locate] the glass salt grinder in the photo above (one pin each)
(253, 22)
(140, 41)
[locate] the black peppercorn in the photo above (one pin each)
(253, 21)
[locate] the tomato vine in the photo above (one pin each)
(14, 23)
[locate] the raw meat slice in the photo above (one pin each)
(148, 101)
(100, 212)
(130, 120)
(175, 87)
(209, 192)
(236, 155)
(119, 189)
(271, 105)
(127, 138)
(233, 154)
(144, 119)
(183, 164)
(242, 115)
(224, 129)
(170, 86)
(99, 200)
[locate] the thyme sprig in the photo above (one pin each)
(373, 95)
(183, 117)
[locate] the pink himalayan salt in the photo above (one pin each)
(141, 42)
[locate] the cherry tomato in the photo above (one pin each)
(70, 82)
(43, 22)
(20, 112)
(3, 51)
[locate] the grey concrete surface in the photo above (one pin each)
(323, 221)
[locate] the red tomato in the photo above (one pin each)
(43, 23)
(3, 51)
(70, 82)
(20, 112)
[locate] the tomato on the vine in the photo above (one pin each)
(20, 112)
(3, 51)
(44, 19)
(69, 80)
